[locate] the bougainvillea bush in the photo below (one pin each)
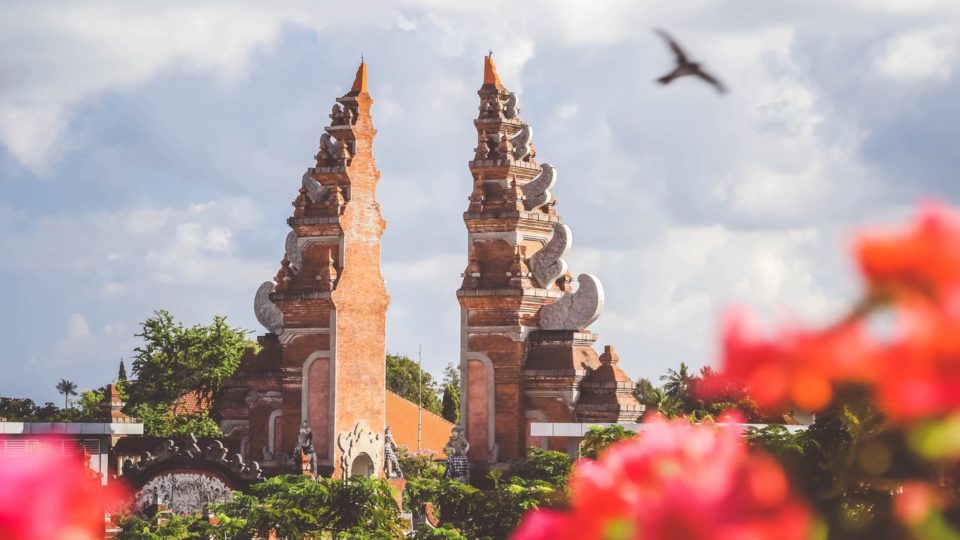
(880, 460)
(46, 494)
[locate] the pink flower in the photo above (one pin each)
(797, 366)
(919, 373)
(925, 258)
(45, 494)
(676, 480)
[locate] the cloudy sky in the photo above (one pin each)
(149, 153)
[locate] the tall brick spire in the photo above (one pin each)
(524, 338)
(360, 81)
(323, 361)
(490, 72)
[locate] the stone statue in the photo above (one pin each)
(304, 453)
(391, 466)
(458, 465)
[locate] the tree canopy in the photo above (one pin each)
(175, 360)
(402, 373)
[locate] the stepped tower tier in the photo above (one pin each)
(525, 345)
(322, 365)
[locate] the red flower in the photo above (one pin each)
(796, 367)
(919, 375)
(45, 494)
(676, 480)
(923, 259)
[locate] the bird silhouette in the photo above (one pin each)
(685, 66)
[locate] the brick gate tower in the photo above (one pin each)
(322, 361)
(525, 346)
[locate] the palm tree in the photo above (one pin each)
(68, 389)
(677, 382)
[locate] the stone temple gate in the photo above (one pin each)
(526, 349)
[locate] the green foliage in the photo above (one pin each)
(598, 438)
(419, 464)
(89, 403)
(170, 527)
(297, 506)
(402, 373)
(450, 409)
(546, 465)
(440, 533)
(25, 410)
(157, 422)
(175, 360)
(682, 395)
(68, 389)
(451, 394)
(122, 373)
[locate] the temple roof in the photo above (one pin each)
(490, 72)
(360, 82)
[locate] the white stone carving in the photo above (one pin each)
(360, 440)
(536, 192)
(232, 427)
(315, 190)
(268, 314)
(521, 142)
(292, 252)
(328, 147)
(547, 264)
(268, 398)
(183, 493)
(577, 310)
(512, 106)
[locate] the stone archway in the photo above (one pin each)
(362, 466)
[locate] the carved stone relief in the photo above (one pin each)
(360, 440)
(521, 142)
(512, 106)
(328, 148)
(182, 493)
(231, 428)
(263, 398)
(536, 192)
(292, 252)
(577, 310)
(268, 314)
(547, 264)
(315, 190)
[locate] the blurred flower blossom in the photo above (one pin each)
(675, 480)
(47, 495)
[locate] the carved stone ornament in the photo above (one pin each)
(360, 440)
(328, 148)
(521, 142)
(292, 252)
(512, 106)
(268, 314)
(391, 464)
(577, 310)
(182, 493)
(547, 264)
(458, 464)
(315, 191)
(263, 398)
(536, 192)
(231, 428)
(186, 478)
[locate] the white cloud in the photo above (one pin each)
(919, 55)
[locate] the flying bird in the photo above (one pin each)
(685, 66)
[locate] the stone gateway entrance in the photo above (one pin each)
(362, 466)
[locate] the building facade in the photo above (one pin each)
(322, 363)
(525, 343)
